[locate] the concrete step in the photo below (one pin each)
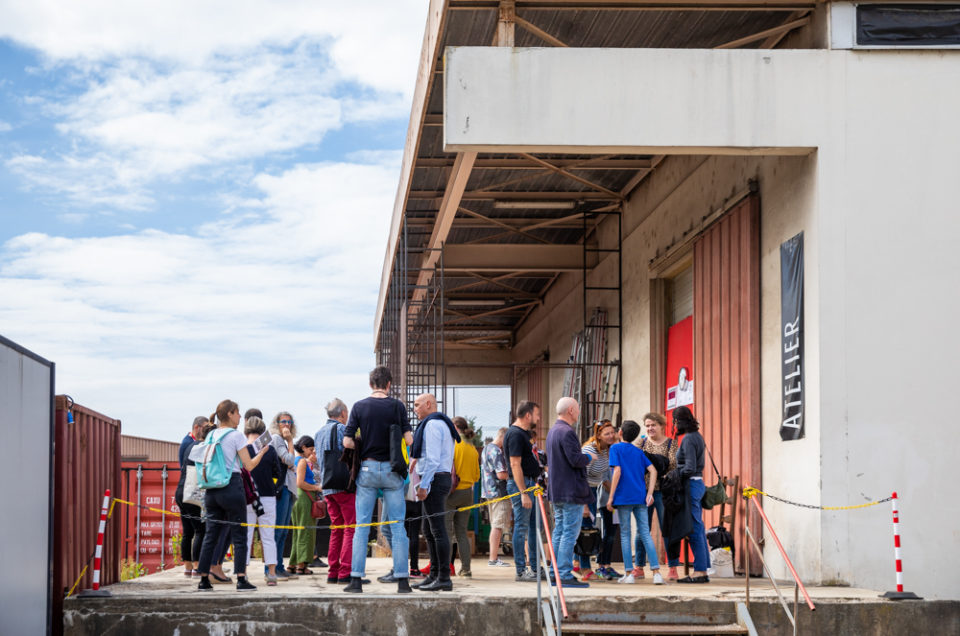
(650, 628)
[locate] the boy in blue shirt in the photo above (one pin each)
(631, 496)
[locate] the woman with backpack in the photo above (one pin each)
(227, 503)
(266, 478)
(657, 443)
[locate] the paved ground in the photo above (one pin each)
(486, 582)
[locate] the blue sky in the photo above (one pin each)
(194, 200)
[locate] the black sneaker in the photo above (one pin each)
(356, 587)
(387, 578)
(243, 585)
(403, 586)
(204, 585)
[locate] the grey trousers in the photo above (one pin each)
(457, 524)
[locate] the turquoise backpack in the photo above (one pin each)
(212, 471)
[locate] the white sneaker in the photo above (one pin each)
(657, 579)
(497, 564)
(626, 578)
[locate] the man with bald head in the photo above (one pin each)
(567, 487)
(432, 450)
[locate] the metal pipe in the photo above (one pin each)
(553, 559)
(163, 519)
(746, 553)
(139, 479)
(783, 553)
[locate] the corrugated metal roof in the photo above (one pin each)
(589, 187)
(148, 450)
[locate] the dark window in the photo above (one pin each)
(908, 24)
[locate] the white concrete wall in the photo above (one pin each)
(880, 216)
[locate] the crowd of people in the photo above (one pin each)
(425, 476)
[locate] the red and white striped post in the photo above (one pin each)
(899, 595)
(98, 555)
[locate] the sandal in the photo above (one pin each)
(304, 570)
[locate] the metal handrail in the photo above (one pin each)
(554, 618)
(798, 584)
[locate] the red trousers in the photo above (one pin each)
(342, 511)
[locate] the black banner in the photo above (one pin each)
(791, 335)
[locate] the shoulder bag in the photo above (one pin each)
(336, 474)
(318, 506)
(192, 493)
(397, 463)
(716, 494)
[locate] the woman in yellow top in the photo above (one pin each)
(466, 467)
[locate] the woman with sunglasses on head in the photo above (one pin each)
(283, 430)
(598, 478)
(229, 503)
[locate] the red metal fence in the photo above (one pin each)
(148, 535)
(86, 462)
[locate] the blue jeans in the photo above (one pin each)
(524, 526)
(698, 538)
(673, 560)
(566, 526)
(284, 509)
(638, 512)
(377, 475)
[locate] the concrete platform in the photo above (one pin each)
(488, 603)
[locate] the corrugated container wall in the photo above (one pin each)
(86, 462)
(149, 534)
(148, 450)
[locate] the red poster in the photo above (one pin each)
(679, 378)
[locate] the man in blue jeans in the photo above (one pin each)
(567, 488)
(524, 470)
(372, 418)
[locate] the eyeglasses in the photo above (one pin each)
(286, 421)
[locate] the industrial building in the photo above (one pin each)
(748, 204)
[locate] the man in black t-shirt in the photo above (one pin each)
(523, 473)
(372, 417)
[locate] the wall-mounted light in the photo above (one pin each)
(541, 205)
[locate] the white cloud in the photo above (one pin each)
(272, 305)
(157, 91)
(4, 126)
(375, 42)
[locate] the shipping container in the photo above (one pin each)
(142, 449)
(149, 534)
(86, 463)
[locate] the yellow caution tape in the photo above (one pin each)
(79, 578)
(536, 490)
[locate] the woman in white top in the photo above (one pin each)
(228, 503)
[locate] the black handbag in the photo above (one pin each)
(588, 543)
(716, 494)
(719, 537)
(336, 474)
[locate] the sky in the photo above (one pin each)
(195, 198)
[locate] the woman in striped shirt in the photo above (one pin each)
(598, 477)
